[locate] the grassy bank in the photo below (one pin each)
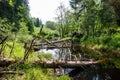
(30, 72)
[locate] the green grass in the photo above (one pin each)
(34, 73)
(18, 50)
(31, 72)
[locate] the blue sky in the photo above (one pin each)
(45, 9)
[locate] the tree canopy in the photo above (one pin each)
(15, 11)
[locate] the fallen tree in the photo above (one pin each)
(6, 61)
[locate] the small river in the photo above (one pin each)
(97, 73)
(94, 72)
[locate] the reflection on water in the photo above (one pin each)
(59, 54)
(50, 51)
(98, 73)
(94, 72)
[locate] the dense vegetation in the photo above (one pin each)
(94, 23)
(97, 20)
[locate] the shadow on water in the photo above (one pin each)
(95, 72)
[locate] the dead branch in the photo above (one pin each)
(3, 40)
(11, 72)
(13, 46)
(2, 44)
(27, 52)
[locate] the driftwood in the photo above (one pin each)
(11, 72)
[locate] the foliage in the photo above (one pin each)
(37, 22)
(5, 27)
(30, 26)
(64, 77)
(44, 56)
(50, 24)
(15, 19)
(24, 66)
(18, 51)
(115, 41)
(34, 73)
(113, 63)
(116, 62)
(96, 20)
(24, 31)
(89, 22)
(62, 21)
(15, 12)
(48, 33)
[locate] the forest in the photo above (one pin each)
(92, 24)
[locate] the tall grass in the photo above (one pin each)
(31, 72)
(34, 73)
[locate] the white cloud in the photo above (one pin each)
(45, 9)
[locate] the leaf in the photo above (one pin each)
(11, 2)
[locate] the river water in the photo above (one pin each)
(94, 72)
(97, 73)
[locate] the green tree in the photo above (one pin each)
(50, 24)
(15, 11)
(30, 26)
(116, 5)
(5, 27)
(63, 20)
(37, 22)
(92, 16)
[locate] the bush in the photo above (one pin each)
(115, 41)
(64, 77)
(24, 66)
(105, 39)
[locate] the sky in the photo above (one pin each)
(45, 9)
